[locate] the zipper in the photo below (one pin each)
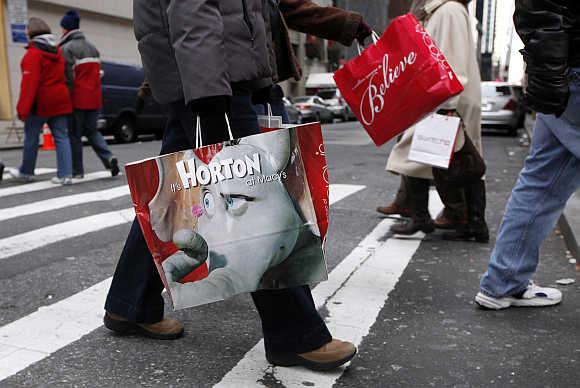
(247, 20)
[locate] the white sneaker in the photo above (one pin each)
(21, 177)
(62, 181)
(534, 296)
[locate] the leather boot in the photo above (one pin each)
(328, 357)
(476, 227)
(454, 215)
(166, 329)
(420, 219)
(402, 204)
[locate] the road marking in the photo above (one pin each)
(38, 238)
(10, 172)
(36, 336)
(43, 185)
(354, 295)
(340, 191)
(62, 202)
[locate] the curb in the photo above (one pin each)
(567, 228)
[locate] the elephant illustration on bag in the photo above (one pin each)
(246, 214)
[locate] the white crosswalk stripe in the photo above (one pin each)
(35, 336)
(63, 202)
(10, 172)
(47, 184)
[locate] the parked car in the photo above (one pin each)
(120, 115)
(336, 104)
(294, 115)
(502, 106)
(313, 108)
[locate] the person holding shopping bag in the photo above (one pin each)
(448, 24)
(225, 42)
(44, 98)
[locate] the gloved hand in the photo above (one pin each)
(363, 31)
(262, 96)
(547, 94)
(212, 112)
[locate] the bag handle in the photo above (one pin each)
(374, 36)
(198, 138)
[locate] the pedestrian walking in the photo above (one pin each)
(550, 31)
(44, 98)
(448, 24)
(211, 78)
(83, 74)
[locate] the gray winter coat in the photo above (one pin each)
(76, 47)
(198, 48)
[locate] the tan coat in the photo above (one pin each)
(450, 27)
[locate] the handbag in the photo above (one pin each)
(397, 80)
(237, 216)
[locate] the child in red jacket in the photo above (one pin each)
(44, 98)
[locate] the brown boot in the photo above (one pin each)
(330, 356)
(166, 329)
(394, 209)
(402, 204)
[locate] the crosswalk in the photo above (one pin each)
(352, 297)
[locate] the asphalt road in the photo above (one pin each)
(408, 302)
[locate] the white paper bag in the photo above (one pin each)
(434, 140)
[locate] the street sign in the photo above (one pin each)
(18, 17)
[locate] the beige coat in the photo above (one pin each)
(450, 27)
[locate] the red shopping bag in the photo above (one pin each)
(397, 81)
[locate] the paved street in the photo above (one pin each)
(407, 303)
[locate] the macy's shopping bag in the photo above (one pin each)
(434, 140)
(397, 80)
(237, 216)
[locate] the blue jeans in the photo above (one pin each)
(84, 123)
(550, 176)
(58, 127)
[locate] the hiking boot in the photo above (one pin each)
(330, 356)
(394, 209)
(166, 329)
(114, 167)
(533, 296)
(62, 181)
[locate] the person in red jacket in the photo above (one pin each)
(83, 75)
(44, 98)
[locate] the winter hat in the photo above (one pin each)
(70, 20)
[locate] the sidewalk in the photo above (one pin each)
(569, 223)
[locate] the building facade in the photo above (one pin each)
(107, 23)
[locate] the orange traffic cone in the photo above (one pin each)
(47, 140)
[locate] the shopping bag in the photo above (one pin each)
(235, 217)
(397, 80)
(434, 140)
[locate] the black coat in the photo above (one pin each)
(550, 30)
